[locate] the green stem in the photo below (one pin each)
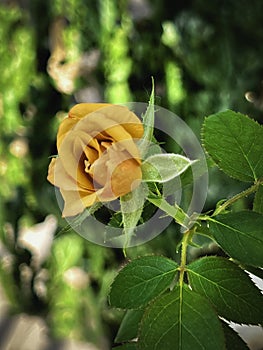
(182, 219)
(174, 211)
(234, 199)
(183, 257)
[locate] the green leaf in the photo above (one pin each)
(258, 200)
(240, 236)
(233, 340)
(148, 124)
(127, 346)
(131, 210)
(228, 288)
(164, 167)
(129, 326)
(234, 142)
(142, 280)
(183, 320)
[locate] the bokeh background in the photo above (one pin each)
(205, 56)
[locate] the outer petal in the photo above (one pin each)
(113, 116)
(127, 119)
(65, 126)
(83, 109)
(64, 181)
(51, 168)
(75, 202)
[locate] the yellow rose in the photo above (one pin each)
(98, 159)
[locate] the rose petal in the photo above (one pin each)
(116, 172)
(112, 116)
(51, 167)
(126, 177)
(110, 129)
(71, 155)
(121, 115)
(83, 109)
(60, 178)
(75, 114)
(75, 202)
(65, 126)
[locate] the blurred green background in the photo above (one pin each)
(204, 56)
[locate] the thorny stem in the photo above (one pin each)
(238, 196)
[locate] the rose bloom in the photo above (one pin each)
(98, 159)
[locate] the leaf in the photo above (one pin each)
(142, 280)
(127, 346)
(148, 124)
(131, 210)
(233, 340)
(183, 320)
(228, 288)
(240, 236)
(258, 200)
(129, 326)
(164, 167)
(234, 142)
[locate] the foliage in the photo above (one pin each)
(179, 306)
